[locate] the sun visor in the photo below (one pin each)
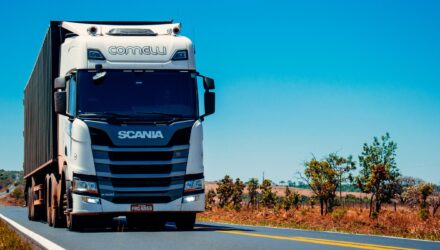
(121, 30)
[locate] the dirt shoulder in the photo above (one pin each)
(401, 223)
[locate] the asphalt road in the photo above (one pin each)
(210, 236)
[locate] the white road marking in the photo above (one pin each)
(34, 236)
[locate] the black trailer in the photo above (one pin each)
(40, 147)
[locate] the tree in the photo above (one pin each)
(378, 171)
(268, 198)
(322, 180)
(423, 195)
(237, 195)
(252, 186)
(434, 199)
(225, 189)
(297, 199)
(210, 199)
(403, 183)
(287, 201)
(343, 166)
(426, 190)
(17, 193)
(411, 195)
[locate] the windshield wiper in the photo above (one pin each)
(105, 114)
(141, 116)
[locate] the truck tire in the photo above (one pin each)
(54, 211)
(30, 204)
(186, 221)
(62, 209)
(48, 200)
(34, 213)
(72, 222)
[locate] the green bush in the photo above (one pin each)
(339, 213)
(268, 198)
(17, 193)
(424, 213)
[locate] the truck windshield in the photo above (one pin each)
(169, 93)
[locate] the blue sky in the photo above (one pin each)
(293, 78)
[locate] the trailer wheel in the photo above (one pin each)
(30, 204)
(186, 222)
(34, 213)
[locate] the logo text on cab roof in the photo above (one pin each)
(137, 50)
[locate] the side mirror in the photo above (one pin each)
(208, 83)
(59, 83)
(59, 101)
(209, 103)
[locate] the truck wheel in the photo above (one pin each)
(186, 222)
(62, 209)
(48, 200)
(54, 211)
(73, 223)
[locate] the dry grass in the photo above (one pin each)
(7, 200)
(10, 240)
(403, 223)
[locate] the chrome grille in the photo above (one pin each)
(140, 174)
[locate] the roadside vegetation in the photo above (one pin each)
(10, 177)
(10, 240)
(14, 197)
(387, 202)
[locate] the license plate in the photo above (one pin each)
(140, 208)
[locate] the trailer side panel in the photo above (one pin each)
(39, 117)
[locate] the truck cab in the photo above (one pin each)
(129, 131)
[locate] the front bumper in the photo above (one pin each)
(103, 206)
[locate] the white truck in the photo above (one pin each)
(113, 128)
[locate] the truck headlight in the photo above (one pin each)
(194, 185)
(89, 187)
(190, 198)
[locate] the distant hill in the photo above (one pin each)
(9, 177)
